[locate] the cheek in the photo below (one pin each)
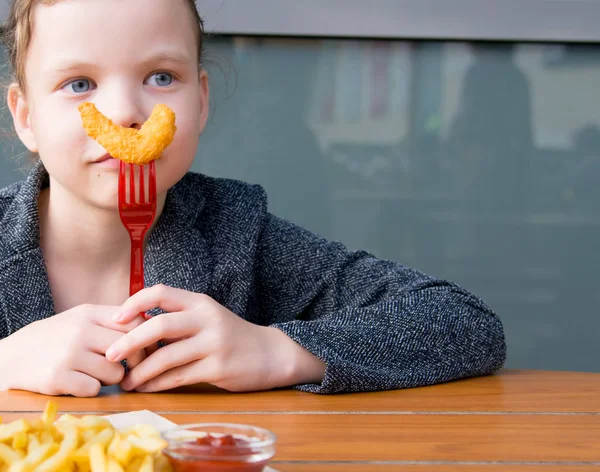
(178, 157)
(186, 140)
(57, 131)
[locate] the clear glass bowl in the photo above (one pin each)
(254, 448)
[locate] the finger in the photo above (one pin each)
(164, 359)
(169, 299)
(136, 358)
(79, 384)
(192, 373)
(101, 338)
(100, 368)
(151, 349)
(103, 316)
(168, 325)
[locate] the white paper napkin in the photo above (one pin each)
(131, 418)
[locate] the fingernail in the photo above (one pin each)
(141, 388)
(112, 354)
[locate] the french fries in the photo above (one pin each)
(72, 444)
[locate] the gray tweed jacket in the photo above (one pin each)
(376, 324)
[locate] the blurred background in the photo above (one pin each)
(462, 141)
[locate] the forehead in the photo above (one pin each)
(115, 29)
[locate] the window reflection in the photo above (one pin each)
(473, 161)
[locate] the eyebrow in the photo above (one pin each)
(168, 56)
(64, 66)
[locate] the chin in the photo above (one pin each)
(105, 205)
(107, 201)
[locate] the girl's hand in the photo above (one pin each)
(65, 354)
(207, 343)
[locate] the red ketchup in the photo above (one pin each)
(191, 459)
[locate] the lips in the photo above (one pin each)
(106, 162)
(104, 158)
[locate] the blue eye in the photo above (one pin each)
(160, 79)
(79, 86)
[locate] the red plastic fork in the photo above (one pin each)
(137, 214)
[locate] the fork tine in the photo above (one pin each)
(142, 190)
(152, 182)
(132, 184)
(122, 182)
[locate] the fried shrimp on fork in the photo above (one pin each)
(129, 144)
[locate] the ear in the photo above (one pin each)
(204, 98)
(19, 109)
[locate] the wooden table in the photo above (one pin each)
(514, 421)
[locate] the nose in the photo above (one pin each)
(126, 114)
(123, 108)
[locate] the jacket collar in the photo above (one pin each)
(175, 255)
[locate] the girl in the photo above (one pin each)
(246, 301)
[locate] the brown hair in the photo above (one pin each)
(17, 31)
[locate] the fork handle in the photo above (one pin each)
(136, 279)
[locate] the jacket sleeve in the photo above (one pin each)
(376, 324)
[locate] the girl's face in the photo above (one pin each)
(124, 56)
